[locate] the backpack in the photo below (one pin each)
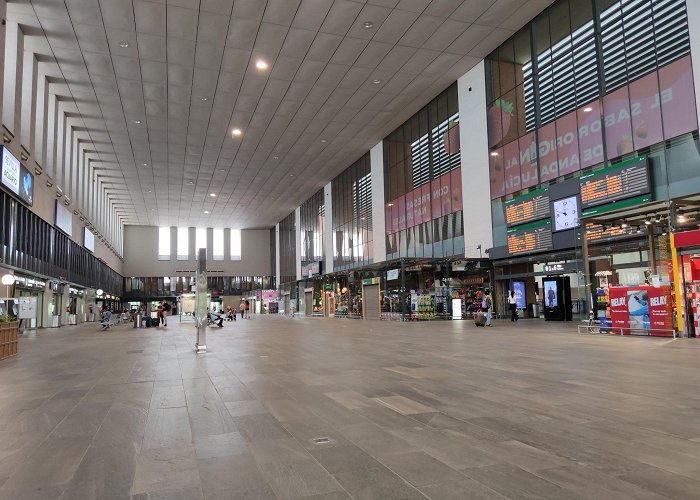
(167, 307)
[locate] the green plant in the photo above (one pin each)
(7, 318)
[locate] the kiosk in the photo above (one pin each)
(557, 298)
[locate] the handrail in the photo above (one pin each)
(594, 326)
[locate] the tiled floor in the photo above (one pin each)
(403, 411)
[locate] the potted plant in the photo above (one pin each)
(9, 336)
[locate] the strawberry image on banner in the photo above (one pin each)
(499, 118)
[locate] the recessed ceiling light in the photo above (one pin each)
(368, 25)
(390, 204)
(494, 153)
(275, 157)
(124, 44)
(150, 190)
(376, 81)
(213, 195)
(153, 210)
(587, 109)
(260, 64)
(323, 141)
(137, 122)
(291, 175)
(203, 98)
(222, 170)
(190, 182)
(206, 211)
(236, 132)
(145, 164)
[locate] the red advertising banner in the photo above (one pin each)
(677, 98)
(640, 308)
(618, 123)
(646, 112)
(528, 161)
(567, 144)
(498, 186)
(440, 197)
(547, 136)
(511, 152)
(590, 134)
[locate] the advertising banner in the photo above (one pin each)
(519, 289)
(642, 308)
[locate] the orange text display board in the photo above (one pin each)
(641, 309)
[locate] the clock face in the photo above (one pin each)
(566, 213)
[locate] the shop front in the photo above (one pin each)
(31, 289)
(685, 248)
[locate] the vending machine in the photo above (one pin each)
(557, 298)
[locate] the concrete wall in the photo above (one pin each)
(141, 255)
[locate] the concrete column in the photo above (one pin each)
(376, 158)
(3, 35)
(693, 10)
(328, 230)
(278, 275)
(50, 139)
(297, 241)
(41, 116)
(30, 72)
(475, 161)
(60, 140)
(12, 89)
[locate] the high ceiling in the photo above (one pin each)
(160, 85)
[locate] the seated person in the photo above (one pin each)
(216, 319)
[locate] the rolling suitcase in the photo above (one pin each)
(480, 319)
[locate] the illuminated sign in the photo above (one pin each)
(530, 207)
(532, 239)
(595, 232)
(16, 177)
(619, 182)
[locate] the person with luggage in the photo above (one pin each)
(166, 311)
(487, 307)
(513, 304)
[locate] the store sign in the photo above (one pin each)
(29, 283)
(635, 309)
(479, 280)
(26, 307)
(270, 295)
(392, 274)
(328, 288)
(566, 267)
(313, 269)
(370, 281)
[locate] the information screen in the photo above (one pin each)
(528, 208)
(530, 240)
(619, 182)
(17, 178)
(595, 232)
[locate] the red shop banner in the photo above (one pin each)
(640, 308)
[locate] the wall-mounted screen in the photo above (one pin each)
(89, 240)
(551, 297)
(17, 178)
(527, 208)
(63, 219)
(531, 239)
(619, 182)
(519, 288)
(565, 213)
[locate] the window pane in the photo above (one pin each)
(200, 238)
(235, 244)
(164, 243)
(183, 243)
(218, 250)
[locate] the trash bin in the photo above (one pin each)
(137, 320)
(535, 310)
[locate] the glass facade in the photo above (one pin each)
(312, 221)
(352, 216)
(138, 288)
(423, 183)
(587, 82)
(288, 250)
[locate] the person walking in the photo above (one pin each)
(247, 309)
(241, 306)
(159, 315)
(513, 304)
(487, 307)
(166, 311)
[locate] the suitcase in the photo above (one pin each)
(480, 319)
(149, 321)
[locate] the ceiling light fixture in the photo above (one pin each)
(587, 109)
(657, 218)
(150, 190)
(145, 164)
(494, 153)
(213, 195)
(648, 221)
(389, 204)
(124, 44)
(190, 182)
(376, 81)
(260, 64)
(137, 122)
(204, 99)
(275, 157)
(623, 225)
(222, 170)
(681, 217)
(368, 25)
(323, 141)
(206, 211)
(236, 132)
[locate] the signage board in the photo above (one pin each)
(535, 238)
(619, 182)
(392, 274)
(17, 178)
(89, 240)
(527, 208)
(520, 297)
(639, 308)
(63, 219)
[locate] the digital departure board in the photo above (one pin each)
(532, 239)
(527, 208)
(596, 232)
(618, 182)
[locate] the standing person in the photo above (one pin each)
(247, 309)
(487, 307)
(241, 306)
(159, 315)
(166, 311)
(513, 303)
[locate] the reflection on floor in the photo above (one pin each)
(337, 409)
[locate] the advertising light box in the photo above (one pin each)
(63, 219)
(16, 178)
(89, 240)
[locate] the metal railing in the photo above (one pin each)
(594, 327)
